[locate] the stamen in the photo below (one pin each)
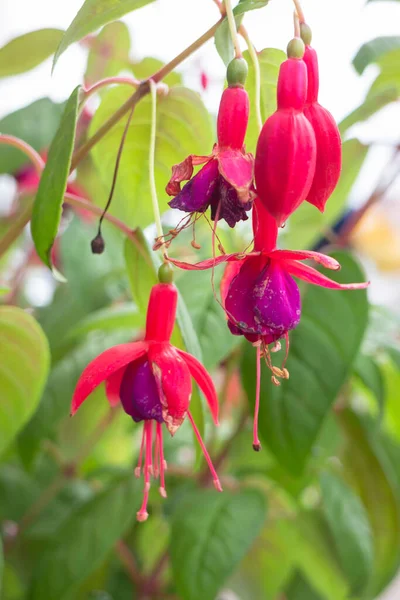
(275, 381)
(142, 514)
(195, 245)
(139, 465)
(156, 470)
(256, 441)
(216, 481)
(163, 464)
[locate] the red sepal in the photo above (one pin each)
(233, 117)
(204, 381)
(161, 312)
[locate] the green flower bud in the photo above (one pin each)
(305, 33)
(165, 273)
(236, 72)
(296, 48)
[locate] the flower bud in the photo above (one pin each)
(233, 117)
(236, 73)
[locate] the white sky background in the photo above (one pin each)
(166, 27)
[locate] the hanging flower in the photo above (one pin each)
(225, 182)
(152, 380)
(329, 145)
(286, 148)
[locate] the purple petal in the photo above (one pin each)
(232, 210)
(139, 394)
(196, 194)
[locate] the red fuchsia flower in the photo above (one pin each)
(329, 145)
(225, 181)
(259, 295)
(153, 381)
(286, 149)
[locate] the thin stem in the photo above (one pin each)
(299, 11)
(232, 28)
(296, 23)
(109, 81)
(129, 562)
(143, 90)
(256, 441)
(34, 156)
(257, 75)
(152, 152)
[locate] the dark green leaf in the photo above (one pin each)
(93, 15)
(183, 128)
(372, 51)
(18, 491)
(35, 124)
(322, 350)
(369, 371)
(374, 102)
(109, 53)
(85, 540)
(27, 51)
(125, 316)
(48, 203)
(300, 589)
(349, 526)
(371, 474)
(210, 535)
(1, 565)
(23, 373)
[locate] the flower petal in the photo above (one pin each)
(204, 381)
(231, 270)
(102, 367)
(182, 172)
(312, 276)
(210, 262)
(174, 383)
(113, 386)
(322, 259)
(197, 193)
(237, 169)
(139, 392)
(225, 204)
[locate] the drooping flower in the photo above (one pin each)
(329, 145)
(286, 148)
(153, 381)
(260, 297)
(225, 182)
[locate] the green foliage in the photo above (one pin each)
(27, 51)
(109, 53)
(210, 534)
(48, 204)
(373, 50)
(93, 15)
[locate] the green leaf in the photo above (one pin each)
(211, 533)
(269, 60)
(369, 372)
(369, 471)
(48, 204)
(85, 539)
(300, 589)
(125, 316)
(349, 526)
(246, 5)
(109, 53)
(223, 40)
(183, 128)
(142, 272)
(372, 51)
(93, 15)
(149, 65)
(374, 102)
(307, 225)
(35, 124)
(1, 565)
(23, 370)
(27, 51)
(322, 350)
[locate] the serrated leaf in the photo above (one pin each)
(23, 370)
(322, 350)
(374, 102)
(372, 51)
(210, 535)
(84, 541)
(369, 471)
(47, 208)
(183, 128)
(369, 371)
(35, 124)
(349, 526)
(306, 226)
(27, 51)
(93, 15)
(109, 53)
(269, 60)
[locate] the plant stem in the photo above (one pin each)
(299, 11)
(109, 81)
(36, 159)
(232, 28)
(129, 562)
(143, 90)
(257, 75)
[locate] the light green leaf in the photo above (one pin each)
(149, 65)
(36, 124)
(322, 350)
(369, 372)
(349, 526)
(93, 15)
(270, 60)
(125, 316)
(372, 51)
(246, 5)
(370, 473)
(48, 203)
(109, 53)
(300, 589)
(183, 128)
(23, 370)
(210, 535)
(27, 51)
(375, 101)
(141, 268)
(85, 539)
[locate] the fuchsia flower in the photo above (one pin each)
(329, 145)
(152, 380)
(286, 148)
(260, 297)
(225, 181)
